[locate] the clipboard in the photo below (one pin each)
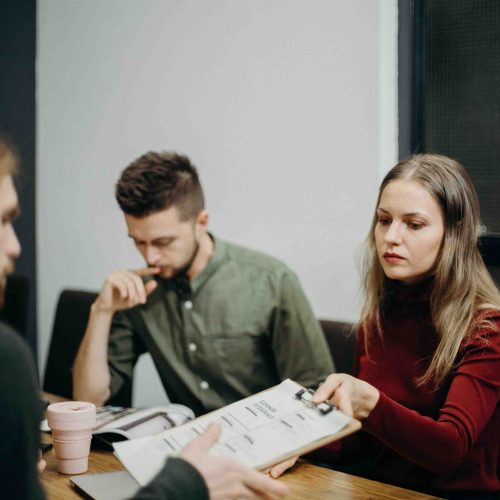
(259, 431)
(324, 408)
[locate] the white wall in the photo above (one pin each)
(286, 107)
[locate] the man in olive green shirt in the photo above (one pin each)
(221, 322)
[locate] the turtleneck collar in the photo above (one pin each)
(415, 293)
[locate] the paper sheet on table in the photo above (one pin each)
(258, 431)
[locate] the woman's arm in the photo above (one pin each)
(438, 445)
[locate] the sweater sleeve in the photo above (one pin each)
(20, 414)
(471, 400)
(178, 480)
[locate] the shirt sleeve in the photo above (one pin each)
(472, 398)
(178, 480)
(20, 414)
(299, 346)
(124, 349)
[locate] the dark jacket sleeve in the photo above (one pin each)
(178, 480)
(20, 413)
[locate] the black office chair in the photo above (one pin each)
(341, 339)
(70, 322)
(16, 304)
(489, 246)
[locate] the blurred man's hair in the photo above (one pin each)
(8, 157)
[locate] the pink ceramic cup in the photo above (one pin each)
(71, 423)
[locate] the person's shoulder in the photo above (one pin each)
(11, 343)
(488, 322)
(486, 331)
(256, 259)
(16, 360)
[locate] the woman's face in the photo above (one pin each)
(409, 231)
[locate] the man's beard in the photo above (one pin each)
(185, 267)
(9, 268)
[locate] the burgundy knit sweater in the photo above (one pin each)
(438, 441)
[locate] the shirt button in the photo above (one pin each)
(204, 385)
(192, 347)
(188, 304)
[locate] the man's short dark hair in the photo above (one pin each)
(157, 181)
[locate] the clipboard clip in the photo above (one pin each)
(305, 395)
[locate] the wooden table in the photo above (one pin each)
(305, 481)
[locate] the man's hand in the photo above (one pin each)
(351, 395)
(225, 478)
(121, 290)
(124, 289)
(41, 464)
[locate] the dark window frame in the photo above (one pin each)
(411, 88)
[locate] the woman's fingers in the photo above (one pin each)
(278, 469)
(328, 388)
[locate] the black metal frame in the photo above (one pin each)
(411, 88)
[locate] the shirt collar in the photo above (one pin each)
(218, 258)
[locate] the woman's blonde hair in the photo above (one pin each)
(462, 285)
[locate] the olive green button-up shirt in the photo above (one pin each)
(245, 326)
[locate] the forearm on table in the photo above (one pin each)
(91, 378)
(436, 445)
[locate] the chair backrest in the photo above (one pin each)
(70, 323)
(341, 340)
(490, 250)
(16, 304)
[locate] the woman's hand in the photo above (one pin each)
(351, 395)
(276, 470)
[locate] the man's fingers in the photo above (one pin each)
(138, 289)
(118, 284)
(150, 286)
(41, 464)
(128, 285)
(203, 443)
(148, 271)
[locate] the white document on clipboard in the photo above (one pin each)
(258, 431)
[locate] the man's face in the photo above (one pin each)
(9, 244)
(165, 241)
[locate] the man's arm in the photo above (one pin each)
(121, 290)
(91, 377)
(299, 346)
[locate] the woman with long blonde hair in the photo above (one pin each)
(427, 365)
